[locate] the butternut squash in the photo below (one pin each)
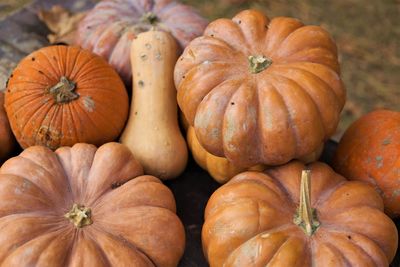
(152, 132)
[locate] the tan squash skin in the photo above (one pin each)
(7, 140)
(152, 132)
(254, 220)
(132, 220)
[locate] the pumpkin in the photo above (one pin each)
(260, 91)
(297, 215)
(109, 28)
(84, 206)
(218, 167)
(61, 95)
(369, 151)
(6, 136)
(152, 132)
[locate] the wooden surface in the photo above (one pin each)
(22, 33)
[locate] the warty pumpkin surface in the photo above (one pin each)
(256, 220)
(369, 151)
(84, 206)
(62, 95)
(109, 28)
(7, 140)
(260, 91)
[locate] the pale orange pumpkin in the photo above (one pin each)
(260, 91)
(84, 206)
(284, 217)
(62, 95)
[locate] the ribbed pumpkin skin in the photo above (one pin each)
(97, 116)
(109, 28)
(134, 220)
(6, 137)
(370, 151)
(219, 168)
(249, 222)
(283, 112)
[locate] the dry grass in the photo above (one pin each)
(367, 33)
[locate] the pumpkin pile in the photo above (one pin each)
(258, 98)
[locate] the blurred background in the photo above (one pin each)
(367, 33)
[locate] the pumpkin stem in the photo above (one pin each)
(63, 91)
(306, 217)
(79, 215)
(150, 18)
(259, 63)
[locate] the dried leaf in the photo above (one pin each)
(62, 23)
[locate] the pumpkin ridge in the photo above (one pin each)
(289, 117)
(49, 71)
(317, 107)
(355, 246)
(225, 130)
(336, 97)
(49, 110)
(336, 250)
(47, 105)
(120, 239)
(349, 233)
(35, 184)
(49, 137)
(54, 68)
(111, 124)
(254, 237)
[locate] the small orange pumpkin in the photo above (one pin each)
(62, 95)
(260, 91)
(284, 217)
(370, 151)
(84, 206)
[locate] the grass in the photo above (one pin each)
(367, 34)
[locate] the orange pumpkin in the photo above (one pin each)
(370, 151)
(221, 169)
(6, 137)
(260, 91)
(60, 95)
(83, 206)
(284, 217)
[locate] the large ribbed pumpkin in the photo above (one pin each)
(369, 151)
(6, 137)
(109, 28)
(297, 216)
(60, 95)
(259, 90)
(84, 206)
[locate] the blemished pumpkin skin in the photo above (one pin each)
(62, 95)
(255, 220)
(369, 151)
(220, 168)
(260, 91)
(84, 206)
(7, 141)
(109, 28)
(152, 132)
